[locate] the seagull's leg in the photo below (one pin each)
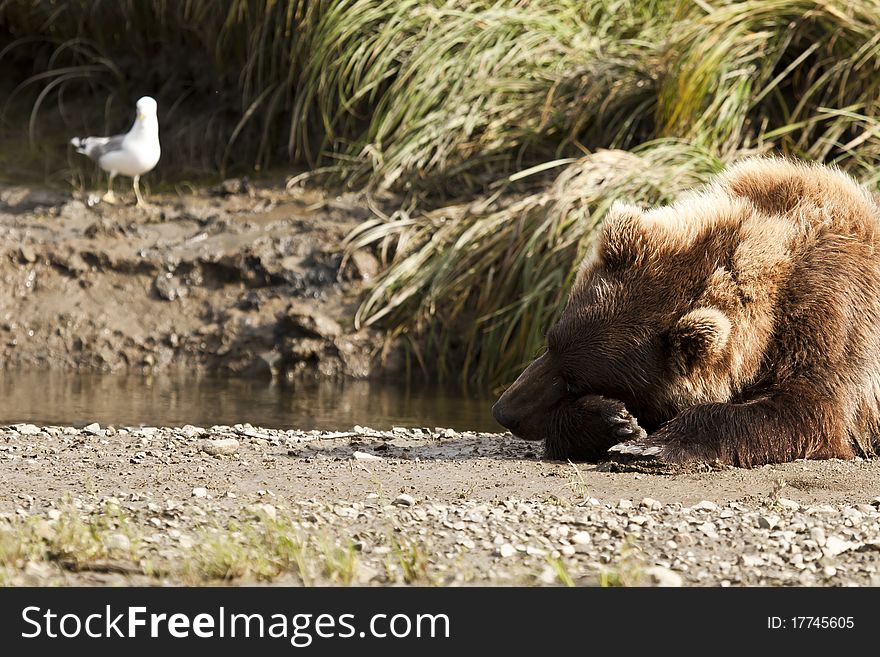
(137, 192)
(110, 197)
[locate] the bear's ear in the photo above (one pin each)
(620, 235)
(699, 337)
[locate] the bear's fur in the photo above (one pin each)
(740, 325)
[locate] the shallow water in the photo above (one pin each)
(166, 400)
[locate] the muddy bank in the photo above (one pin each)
(237, 280)
(193, 505)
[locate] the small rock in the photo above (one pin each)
(168, 287)
(705, 505)
(467, 543)
(506, 550)
(625, 504)
(650, 503)
(191, 431)
(267, 510)
(364, 574)
(751, 560)
(119, 542)
(27, 253)
(303, 320)
(200, 492)
(789, 505)
(366, 456)
(365, 264)
(581, 538)
(220, 446)
(835, 546)
(548, 575)
(660, 576)
(231, 187)
(404, 500)
(768, 521)
(26, 429)
(818, 534)
(709, 529)
(94, 428)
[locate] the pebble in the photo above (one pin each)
(768, 521)
(27, 429)
(267, 510)
(118, 541)
(498, 540)
(709, 529)
(404, 500)
(93, 428)
(835, 545)
(506, 550)
(365, 456)
(548, 576)
(220, 446)
(660, 576)
(751, 560)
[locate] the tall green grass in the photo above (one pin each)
(474, 286)
(486, 116)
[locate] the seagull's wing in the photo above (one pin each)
(97, 147)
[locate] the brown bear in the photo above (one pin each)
(740, 325)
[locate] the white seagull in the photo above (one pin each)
(132, 154)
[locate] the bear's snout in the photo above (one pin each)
(526, 404)
(503, 416)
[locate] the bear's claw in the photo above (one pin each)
(625, 425)
(635, 448)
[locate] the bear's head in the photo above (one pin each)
(650, 321)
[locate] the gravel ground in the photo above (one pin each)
(190, 505)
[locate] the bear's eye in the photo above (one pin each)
(571, 387)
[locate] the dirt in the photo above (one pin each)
(412, 506)
(245, 280)
(238, 280)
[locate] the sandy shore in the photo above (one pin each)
(103, 505)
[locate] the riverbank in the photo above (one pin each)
(103, 505)
(238, 279)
